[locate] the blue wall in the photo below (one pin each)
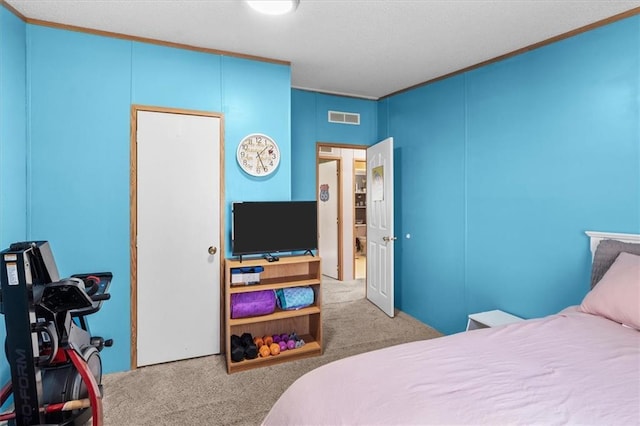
(74, 184)
(500, 171)
(13, 138)
(257, 99)
(79, 109)
(429, 154)
(309, 112)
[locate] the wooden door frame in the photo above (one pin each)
(340, 233)
(339, 240)
(133, 216)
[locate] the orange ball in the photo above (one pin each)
(258, 341)
(275, 348)
(268, 340)
(264, 351)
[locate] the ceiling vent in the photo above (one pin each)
(344, 117)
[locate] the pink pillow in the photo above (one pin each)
(617, 294)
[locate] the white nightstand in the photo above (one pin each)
(490, 319)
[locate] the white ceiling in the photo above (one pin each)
(362, 48)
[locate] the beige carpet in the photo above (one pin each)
(200, 392)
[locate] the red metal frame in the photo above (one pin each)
(94, 401)
(92, 386)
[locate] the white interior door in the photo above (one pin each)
(380, 233)
(328, 197)
(178, 220)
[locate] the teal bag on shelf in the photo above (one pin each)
(294, 297)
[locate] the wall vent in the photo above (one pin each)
(344, 117)
(326, 149)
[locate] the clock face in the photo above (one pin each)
(258, 155)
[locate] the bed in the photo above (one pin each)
(579, 366)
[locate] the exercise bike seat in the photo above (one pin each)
(65, 295)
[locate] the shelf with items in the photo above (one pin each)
(312, 348)
(306, 322)
(277, 315)
(307, 327)
(361, 215)
(360, 177)
(360, 208)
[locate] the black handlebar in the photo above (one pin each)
(101, 297)
(96, 286)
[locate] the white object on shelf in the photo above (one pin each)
(490, 319)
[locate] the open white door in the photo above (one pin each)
(178, 236)
(328, 197)
(380, 233)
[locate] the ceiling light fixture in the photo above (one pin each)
(274, 7)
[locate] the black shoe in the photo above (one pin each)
(250, 348)
(237, 349)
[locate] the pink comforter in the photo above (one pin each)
(569, 368)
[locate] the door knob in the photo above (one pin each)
(387, 239)
(213, 250)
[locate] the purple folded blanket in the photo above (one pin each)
(262, 302)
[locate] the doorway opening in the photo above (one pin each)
(342, 233)
(360, 215)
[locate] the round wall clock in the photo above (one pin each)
(258, 154)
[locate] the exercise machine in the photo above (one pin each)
(56, 370)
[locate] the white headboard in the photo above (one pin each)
(596, 237)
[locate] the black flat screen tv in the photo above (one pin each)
(265, 227)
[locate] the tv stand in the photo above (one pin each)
(308, 251)
(290, 271)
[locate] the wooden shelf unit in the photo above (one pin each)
(293, 271)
